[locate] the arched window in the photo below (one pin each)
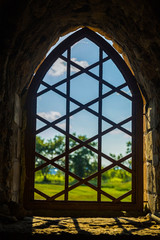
(84, 129)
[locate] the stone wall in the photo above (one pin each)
(30, 28)
(16, 145)
(152, 146)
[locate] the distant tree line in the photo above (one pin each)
(82, 162)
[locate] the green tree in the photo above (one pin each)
(82, 161)
(116, 171)
(129, 147)
(55, 147)
(50, 149)
(128, 151)
(41, 147)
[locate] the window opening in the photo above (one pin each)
(84, 131)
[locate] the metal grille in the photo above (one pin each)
(105, 54)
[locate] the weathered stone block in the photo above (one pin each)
(17, 111)
(155, 160)
(148, 119)
(152, 202)
(155, 139)
(151, 184)
(149, 146)
(16, 180)
(18, 144)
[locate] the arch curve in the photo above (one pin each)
(136, 132)
(75, 37)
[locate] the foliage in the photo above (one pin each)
(48, 149)
(129, 147)
(117, 172)
(82, 162)
(41, 147)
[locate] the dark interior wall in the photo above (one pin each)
(30, 28)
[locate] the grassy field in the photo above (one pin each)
(85, 193)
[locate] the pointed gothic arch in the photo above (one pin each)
(106, 53)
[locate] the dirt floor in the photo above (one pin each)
(80, 228)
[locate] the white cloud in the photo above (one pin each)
(83, 64)
(50, 116)
(60, 67)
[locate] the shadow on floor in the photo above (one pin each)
(38, 228)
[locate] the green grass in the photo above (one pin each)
(84, 193)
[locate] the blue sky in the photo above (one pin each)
(84, 88)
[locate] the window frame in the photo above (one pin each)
(137, 130)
